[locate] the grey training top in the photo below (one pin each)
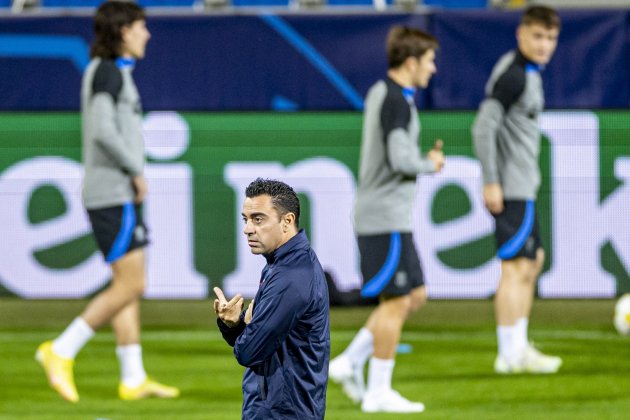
(506, 134)
(113, 147)
(390, 160)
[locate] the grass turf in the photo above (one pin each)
(449, 367)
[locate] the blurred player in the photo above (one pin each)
(113, 190)
(507, 143)
(389, 164)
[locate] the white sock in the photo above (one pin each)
(505, 339)
(380, 374)
(132, 372)
(361, 348)
(520, 336)
(72, 340)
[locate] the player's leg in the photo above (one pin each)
(534, 360)
(119, 233)
(519, 244)
(418, 298)
(531, 275)
(134, 383)
(401, 291)
(347, 368)
(387, 326)
(531, 278)
(57, 357)
(516, 243)
(126, 287)
(509, 305)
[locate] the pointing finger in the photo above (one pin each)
(438, 144)
(220, 295)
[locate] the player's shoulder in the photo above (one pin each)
(375, 94)
(107, 78)
(511, 68)
(510, 77)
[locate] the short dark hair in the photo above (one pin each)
(109, 20)
(283, 198)
(404, 42)
(541, 15)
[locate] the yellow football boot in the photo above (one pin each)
(149, 388)
(59, 371)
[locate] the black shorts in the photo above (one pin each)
(118, 230)
(516, 232)
(389, 264)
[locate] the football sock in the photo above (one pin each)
(132, 372)
(506, 341)
(520, 336)
(380, 374)
(361, 347)
(72, 340)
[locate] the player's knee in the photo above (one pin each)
(536, 266)
(418, 297)
(136, 287)
(396, 306)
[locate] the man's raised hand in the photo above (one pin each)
(228, 311)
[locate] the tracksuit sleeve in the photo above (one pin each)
(505, 92)
(402, 150)
(276, 311)
(404, 156)
(106, 88)
(485, 128)
(230, 334)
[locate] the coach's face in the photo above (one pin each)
(537, 42)
(264, 228)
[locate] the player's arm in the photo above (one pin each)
(106, 87)
(404, 157)
(402, 154)
(506, 91)
(275, 313)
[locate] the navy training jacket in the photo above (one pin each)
(286, 346)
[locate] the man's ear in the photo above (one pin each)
(288, 220)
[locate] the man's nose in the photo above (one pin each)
(248, 228)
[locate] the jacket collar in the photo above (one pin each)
(299, 241)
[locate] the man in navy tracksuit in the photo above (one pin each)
(284, 337)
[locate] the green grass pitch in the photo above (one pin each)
(449, 367)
